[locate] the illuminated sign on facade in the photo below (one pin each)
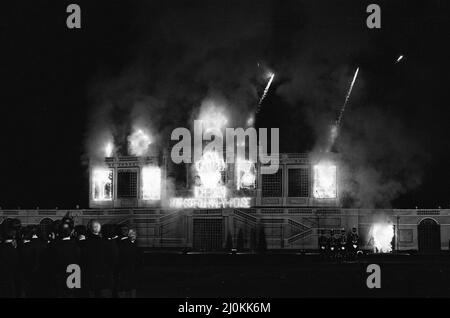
(209, 191)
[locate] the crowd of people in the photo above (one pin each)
(34, 259)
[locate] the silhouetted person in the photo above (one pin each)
(80, 234)
(64, 252)
(43, 275)
(111, 255)
(9, 263)
(124, 268)
(96, 267)
(132, 234)
(54, 230)
(16, 225)
(353, 237)
(27, 262)
(39, 246)
(323, 243)
(69, 221)
(129, 263)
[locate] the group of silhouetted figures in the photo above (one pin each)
(38, 261)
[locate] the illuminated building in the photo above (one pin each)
(292, 207)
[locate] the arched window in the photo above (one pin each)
(429, 236)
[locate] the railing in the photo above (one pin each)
(299, 236)
(254, 212)
(312, 211)
(298, 225)
(244, 215)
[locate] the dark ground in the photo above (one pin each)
(291, 275)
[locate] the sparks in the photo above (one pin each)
(347, 97)
(382, 234)
(335, 128)
(266, 90)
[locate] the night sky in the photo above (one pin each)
(56, 83)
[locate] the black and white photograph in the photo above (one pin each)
(224, 154)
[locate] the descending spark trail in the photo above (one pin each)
(338, 122)
(335, 128)
(266, 90)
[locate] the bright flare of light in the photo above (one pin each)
(209, 169)
(325, 185)
(138, 142)
(109, 149)
(399, 58)
(151, 183)
(382, 234)
(102, 184)
(245, 174)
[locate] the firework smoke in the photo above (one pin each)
(139, 142)
(109, 148)
(213, 115)
(145, 93)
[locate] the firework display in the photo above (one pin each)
(240, 149)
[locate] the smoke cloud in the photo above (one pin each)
(185, 55)
(192, 54)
